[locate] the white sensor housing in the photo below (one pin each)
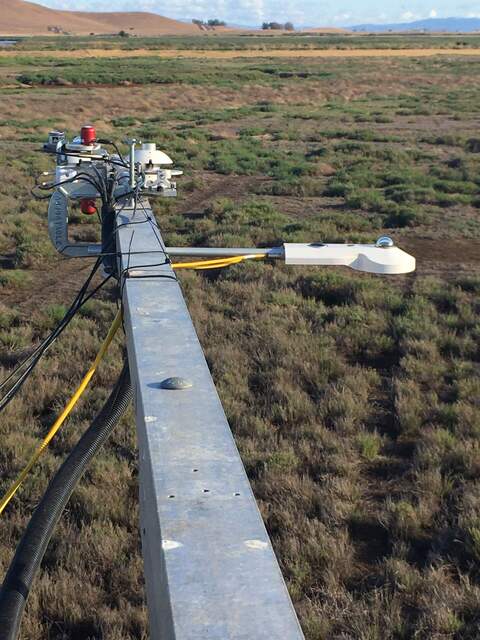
(148, 154)
(387, 260)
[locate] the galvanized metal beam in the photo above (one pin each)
(210, 569)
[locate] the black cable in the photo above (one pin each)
(73, 306)
(68, 312)
(95, 291)
(15, 388)
(119, 254)
(80, 177)
(111, 191)
(108, 239)
(33, 359)
(89, 158)
(115, 146)
(127, 194)
(125, 273)
(33, 545)
(86, 177)
(103, 184)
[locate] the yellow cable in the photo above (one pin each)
(201, 264)
(65, 413)
(218, 263)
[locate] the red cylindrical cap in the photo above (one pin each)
(88, 206)
(88, 134)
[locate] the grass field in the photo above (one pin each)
(231, 54)
(249, 42)
(354, 400)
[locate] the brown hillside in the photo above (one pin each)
(26, 18)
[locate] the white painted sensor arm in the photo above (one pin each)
(361, 257)
(381, 258)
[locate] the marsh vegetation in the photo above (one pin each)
(354, 400)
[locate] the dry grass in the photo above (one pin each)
(209, 54)
(26, 18)
(354, 400)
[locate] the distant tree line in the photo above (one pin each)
(216, 23)
(278, 26)
(209, 24)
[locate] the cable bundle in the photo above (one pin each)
(25, 368)
(32, 547)
(64, 415)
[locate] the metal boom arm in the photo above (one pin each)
(210, 569)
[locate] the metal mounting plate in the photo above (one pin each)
(58, 230)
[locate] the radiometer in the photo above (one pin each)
(89, 173)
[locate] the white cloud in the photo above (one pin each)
(300, 12)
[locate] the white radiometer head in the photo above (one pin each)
(382, 258)
(148, 154)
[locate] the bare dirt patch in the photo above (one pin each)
(54, 286)
(448, 257)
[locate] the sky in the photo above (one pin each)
(300, 12)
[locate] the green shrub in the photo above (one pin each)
(331, 287)
(401, 217)
(337, 190)
(17, 278)
(369, 445)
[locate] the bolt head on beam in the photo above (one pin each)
(175, 384)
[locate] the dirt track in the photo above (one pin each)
(249, 53)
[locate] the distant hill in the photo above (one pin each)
(325, 30)
(18, 17)
(23, 18)
(432, 25)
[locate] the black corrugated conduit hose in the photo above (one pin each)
(32, 547)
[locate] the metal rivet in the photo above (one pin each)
(384, 242)
(175, 384)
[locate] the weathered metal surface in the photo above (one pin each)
(210, 569)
